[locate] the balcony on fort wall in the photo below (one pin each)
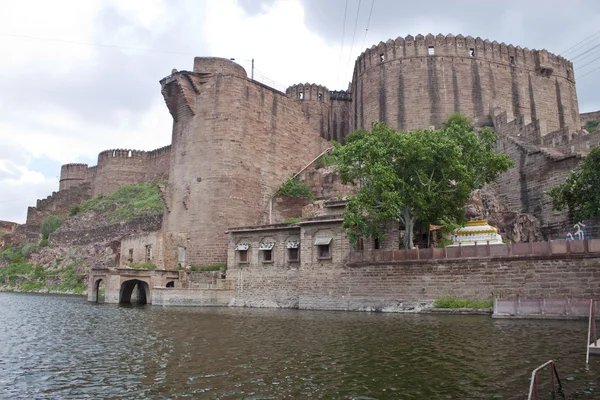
(575, 248)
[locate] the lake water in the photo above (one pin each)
(61, 347)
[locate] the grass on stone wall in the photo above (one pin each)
(294, 187)
(149, 266)
(126, 203)
(455, 302)
(591, 126)
(22, 276)
(291, 220)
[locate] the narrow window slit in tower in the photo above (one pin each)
(430, 51)
(301, 95)
(320, 96)
(512, 60)
(472, 52)
(382, 57)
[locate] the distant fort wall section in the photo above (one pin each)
(416, 82)
(116, 168)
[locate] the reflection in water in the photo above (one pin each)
(63, 347)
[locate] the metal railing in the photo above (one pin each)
(534, 393)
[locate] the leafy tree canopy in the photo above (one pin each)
(419, 177)
(49, 225)
(581, 191)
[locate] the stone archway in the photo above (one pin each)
(135, 291)
(99, 291)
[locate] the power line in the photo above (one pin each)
(354, 35)
(93, 44)
(342, 45)
(588, 63)
(576, 45)
(368, 21)
(586, 53)
(587, 73)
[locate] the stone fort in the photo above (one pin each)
(236, 140)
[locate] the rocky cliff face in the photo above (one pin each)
(512, 226)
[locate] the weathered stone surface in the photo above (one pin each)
(512, 226)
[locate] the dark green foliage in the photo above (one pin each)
(29, 249)
(50, 224)
(419, 178)
(33, 278)
(43, 243)
(209, 267)
(143, 266)
(127, 202)
(581, 191)
(293, 187)
(453, 302)
(591, 126)
(75, 209)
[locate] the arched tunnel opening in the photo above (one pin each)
(134, 291)
(99, 291)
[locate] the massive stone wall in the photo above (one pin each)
(234, 143)
(416, 82)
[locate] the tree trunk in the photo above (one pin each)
(409, 223)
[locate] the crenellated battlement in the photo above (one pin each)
(541, 61)
(308, 91)
(341, 95)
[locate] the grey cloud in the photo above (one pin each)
(253, 7)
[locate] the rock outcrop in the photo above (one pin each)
(512, 226)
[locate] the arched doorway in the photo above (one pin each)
(99, 291)
(134, 291)
(171, 284)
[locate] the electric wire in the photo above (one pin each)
(579, 44)
(587, 73)
(368, 22)
(342, 45)
(586, 53)
(354, 35)
(588, 63)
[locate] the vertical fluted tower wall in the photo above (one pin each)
(315, 103)
(416, 82)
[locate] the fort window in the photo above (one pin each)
(512, 60)
(130, 258)
(148, 253)
(114, 153)
(376, 244)
(181, 256)
(170, 284)
(323, 248)
(430, 50)
(382, 57)
(360, 246)
(301, 95)
(472, 52)
(242, 251)
(266, 249)
(293, 245)
(130, 154)
(320, 96)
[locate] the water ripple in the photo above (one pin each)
(60, 347)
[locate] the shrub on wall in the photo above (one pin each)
(293, 187)
(49, 225)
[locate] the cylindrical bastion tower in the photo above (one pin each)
(417, 82)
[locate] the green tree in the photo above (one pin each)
(419, 177)
(49, 225)
(581, 191)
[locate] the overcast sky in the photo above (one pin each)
(81, 76)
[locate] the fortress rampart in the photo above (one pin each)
(234, 143)
(416, 82)
(116, 168)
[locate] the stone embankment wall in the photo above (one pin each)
(591, 116)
